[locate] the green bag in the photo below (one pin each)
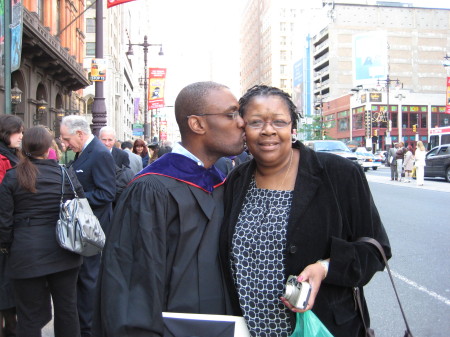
(309, 325)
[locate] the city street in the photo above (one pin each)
(417, 222)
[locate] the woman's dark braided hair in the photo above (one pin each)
(264, 90)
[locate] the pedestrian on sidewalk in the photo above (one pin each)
(39, 268)
(11, 130)
(95, 169)
(399, 156)
(408, 163)
(419, 163)
(392, 161)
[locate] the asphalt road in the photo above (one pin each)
(417, 220)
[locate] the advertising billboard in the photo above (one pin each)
(369, 57)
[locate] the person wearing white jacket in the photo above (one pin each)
(420, 163)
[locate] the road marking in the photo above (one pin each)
(421, 288)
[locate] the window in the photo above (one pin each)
(282, 69)
(394, 119)
(343, 120)
(283, 55)
(343, 124)
(283, 26)
(90, 48)
(358, 122)
(90, 25)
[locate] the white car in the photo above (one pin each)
(367, 160)
(332, 146)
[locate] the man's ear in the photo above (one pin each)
(197, 124)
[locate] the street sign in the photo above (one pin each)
(138, 129)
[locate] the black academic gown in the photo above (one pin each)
(162, 251)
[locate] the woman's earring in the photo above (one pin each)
(294, 136)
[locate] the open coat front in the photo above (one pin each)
(332, 206)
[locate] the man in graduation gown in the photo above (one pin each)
(162, 250)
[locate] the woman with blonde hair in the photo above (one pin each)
(420, 163)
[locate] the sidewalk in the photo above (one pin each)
(429, 184)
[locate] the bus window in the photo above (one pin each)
(445, 139)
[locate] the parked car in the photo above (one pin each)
(437, 162)
(382, 155)
(367, 160)
(332, 146)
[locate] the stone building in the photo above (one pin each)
(50, 76)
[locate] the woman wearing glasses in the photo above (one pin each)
(291, 211)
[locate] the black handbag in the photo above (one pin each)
(78, 229)
(370, 332)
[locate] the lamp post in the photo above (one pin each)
(41, 107)
(388, 82)
(145, 45)
(16, 97)
(99, 112)
(400, 96)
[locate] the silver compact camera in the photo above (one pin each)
(297, 293)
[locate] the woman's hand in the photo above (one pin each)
(314, 275)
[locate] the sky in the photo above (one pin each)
(198, 33)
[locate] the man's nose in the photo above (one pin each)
(240, 122)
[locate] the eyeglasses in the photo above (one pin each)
(229, 115)
(259, 124)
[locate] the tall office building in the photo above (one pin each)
(364, 43)
(267, 32)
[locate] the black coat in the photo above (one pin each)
(331, 207)
(120, 157)
(96, 172)
(8, 159)
(28, 221)
(161, 255)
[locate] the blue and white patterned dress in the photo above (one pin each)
(258, 259)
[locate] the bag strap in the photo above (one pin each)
(357, 294)
(65, 173)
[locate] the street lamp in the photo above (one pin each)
(145, 45)
(41, 108)
(388, 82)
(16, 97)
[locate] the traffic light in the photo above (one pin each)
(414, 128)
(375, 132)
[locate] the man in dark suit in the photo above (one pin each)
(108, 137)
(95, 170)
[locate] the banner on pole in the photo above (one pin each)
(98, 70)
(157, 78)
(447, 110)
(112, 3)
(16, 34)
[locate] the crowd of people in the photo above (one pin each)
(214, 224)
(404, 160)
